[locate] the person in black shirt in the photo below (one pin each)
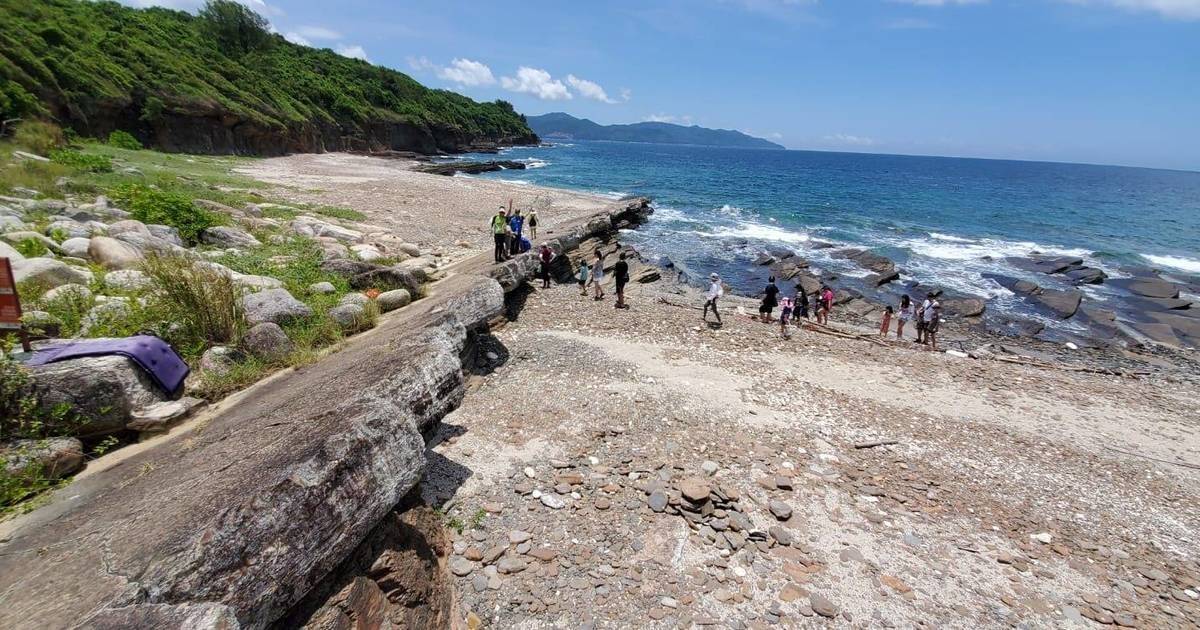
(621, 274)
(770, 301)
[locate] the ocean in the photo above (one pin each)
(946, 222)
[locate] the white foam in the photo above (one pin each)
(757, 231)
(1175, 262)
(962, 249)
(953, 239)
(533, 163)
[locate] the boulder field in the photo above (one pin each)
(232, 520)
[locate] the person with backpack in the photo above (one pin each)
(516, 223)
(499, 234)
(715, 291)
(582, 276)
(621, 275)
(532, 223)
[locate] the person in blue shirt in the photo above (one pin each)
(516, 222)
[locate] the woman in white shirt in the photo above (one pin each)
(714, 291)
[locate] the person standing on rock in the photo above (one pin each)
(769, 302)
(932, 316)
(517, 224)
(715, 291)
(598, 275)
(904, 316)
(621, 275)
(499, 234)
(545, 257)
(584, 271)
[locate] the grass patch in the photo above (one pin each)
(84, 162)
(124, 140)
(152, 205)
(336, 212)
(203, 305)
(40, 176)
(39, 137)
(31, 247)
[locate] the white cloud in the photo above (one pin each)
(466, 72)
(626, 94)
(318, 32)
(668, 118)
(354, 52)
(297, 38)
(421, 64)
(1173, 9)
(588, 89)
(847, 139)
(537, 82)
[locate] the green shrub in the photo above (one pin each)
(150, 205)
(39, 137)
(31, 247)
(341, 213)
(85, 162)
(124, 140)
(203, 305)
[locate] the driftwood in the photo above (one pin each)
(1154, 459)
(875, 443)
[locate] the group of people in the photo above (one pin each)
(508, 231)
(928, 317)
(593, 275)
(795, 308)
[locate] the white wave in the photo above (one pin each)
(671, 214)
(521, 182)
(1176, 262)
(534, 163)
(757, 231)
(732, 211)
(969, 250)
(953, 239)
(613, 194)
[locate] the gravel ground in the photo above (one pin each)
(641, 469)
(429, 210)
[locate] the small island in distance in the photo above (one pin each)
(562, 126)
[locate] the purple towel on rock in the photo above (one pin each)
(152, 354)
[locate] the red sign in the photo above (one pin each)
(10, 302)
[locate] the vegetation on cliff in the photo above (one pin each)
(560, 125)
(100, 66)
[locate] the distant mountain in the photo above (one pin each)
(558, 125)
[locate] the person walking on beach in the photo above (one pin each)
(584, 271)
(621, 275)
(545, 257)
(921, 322)
(517, 223)
(904, 316)
(800, 303)
(499, 231)
(532, 223)
(769, 302)
(933, 317)
(598, 275)
(887, 321)
(714, 292)
(824, 304)
(785, 314)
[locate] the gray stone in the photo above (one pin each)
(217, 360)
(1061, 303)
(128, 226)
(73, 229)
(822, 606)
(350, 317)
(49, 272)
(77, 247)
(267, 341)
(323, 288)
(49, 458)
(354, 298)
(104, 313)
(781, 535)
(16, 238)
(225, 236)
(72, 293)
(255, 283)
(9, 252)
(392, 300)
(709, 467)
(553, 502)
(127, 280)
(166, 233)
(314, 227)
(1148, 287)
(159, 416)
(780, 510)
(111, 253)
(42, 323)
(12, 224)
(658, 501)
(149, 243)
(964, 307)
(461, 567)
(274, 305)
(101, 391)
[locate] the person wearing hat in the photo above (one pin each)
(714, 291)
(500, 234)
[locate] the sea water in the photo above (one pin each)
(945, 221)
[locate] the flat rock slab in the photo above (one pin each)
(1147, 287)
(1061, 303)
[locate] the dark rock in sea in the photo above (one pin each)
(1016, 327)
(963, 307)
(1097, 314)
(470, 168)
(868, 260)
(1016, 285)
(1158, 333)
(764, 259)
(789, 268)
(1157, 304)
(1045, 265)
(1061, 303)
(1087, 275)
(842, 296)
(1147, 287)
(781, 254)
(860, 307)
(1186, 326)
(880, 279)
(820, 245)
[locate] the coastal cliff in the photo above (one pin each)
(220, 82)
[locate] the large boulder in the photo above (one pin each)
(964, 307)
(10, 223)
(1016, 285)
(350, 317)
(1086, 275)
(16, 238)
(49, 272)
(225, 236)
(1148, 287)
(111, 253)
(267, 341)
(313, 227)
(10, 252)
(127, 280)
(128, 226)
(70, 227)
(868, 260)
(50, 458)
(364, 275)
(68, 293)
(76, 247)
(101, 393)
(1061, 303)
(150, 243)
(273, 305)
(166, 233)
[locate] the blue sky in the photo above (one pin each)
(1104, 81)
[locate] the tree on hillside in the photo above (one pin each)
(237, 29)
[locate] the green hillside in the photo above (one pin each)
(219, 82)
